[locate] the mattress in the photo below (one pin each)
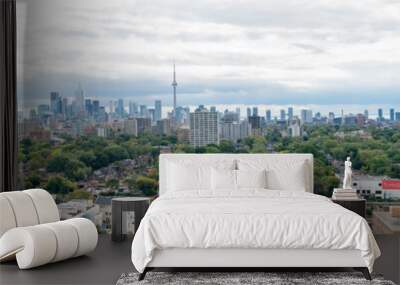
(250, 219)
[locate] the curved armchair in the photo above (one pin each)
(31, 230)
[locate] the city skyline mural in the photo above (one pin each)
(226, 53)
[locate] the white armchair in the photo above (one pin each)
(31, 230)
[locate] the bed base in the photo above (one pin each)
(247, 259)
(363, 270)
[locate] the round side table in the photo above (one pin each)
(124, 210)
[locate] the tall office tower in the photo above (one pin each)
(230, 117)
(290, 113)
(157, 110)
(380, 115)
(111, 108)
(151, 115)
(268, 115)
(238, 111)
(255, 122)
(55, 103)
(397, 116)
(88, 107)
(234, 131)
(306, 116)
(366, 114)
(283, 115)
(133, 109)
(204, 127)
(213, 109)
(255, 111)
(144, 113)
(331, 117)
(143, 125)
(248, 112)
(95, 107)
(79, 99)
(131, 127)
(392, 114)
(164, 127)
(174, 84)
(120, 110)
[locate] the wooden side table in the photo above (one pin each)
(358, 206)
(124, 207)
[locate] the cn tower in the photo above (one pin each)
(174, 84)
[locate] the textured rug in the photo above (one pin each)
(229, 278)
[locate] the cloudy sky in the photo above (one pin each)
(226, 52)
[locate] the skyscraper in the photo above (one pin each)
(55, 103)
(306, 116)
(157, 110)
(290, 113)
(238, 111)
(366, 114)
(392, 114)
(268, 115)
(144, 113)
(283, 115)
(133, 109)
(204, 127)
(174, 84)
(131, 127)
(95, 107)
(255, 111)
(248, 112)
(120, 107)
(79, 99)
(380, 115)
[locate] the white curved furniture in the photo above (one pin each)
(31, 230)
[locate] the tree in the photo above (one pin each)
(226, 146)
(32, 181)
(148, 186)
(59, 185)
(115, 153)
(113, 183)
(80, 194)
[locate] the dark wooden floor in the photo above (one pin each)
(110, 260)
(103, 266)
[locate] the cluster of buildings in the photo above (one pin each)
(200, 127)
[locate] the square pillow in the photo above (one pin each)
(223, 179)
(251, 179)
(292, 179)
(188, 177)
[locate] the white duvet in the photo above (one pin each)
(250, 219)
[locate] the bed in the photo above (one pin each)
(245, 211)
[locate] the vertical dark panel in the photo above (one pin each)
(8, 96)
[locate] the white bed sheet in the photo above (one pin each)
(252, 218)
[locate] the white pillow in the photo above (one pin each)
(251, 178)
(281, 174)
(293, 179)
(223, 179)
(188, 177)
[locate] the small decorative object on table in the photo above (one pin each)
(347, 197)
(347, 192)
(127, 212)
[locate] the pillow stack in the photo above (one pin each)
(236, 175)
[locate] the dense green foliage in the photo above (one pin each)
(59, 167)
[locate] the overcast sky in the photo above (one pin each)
(226, 52)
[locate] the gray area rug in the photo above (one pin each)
(228, 278)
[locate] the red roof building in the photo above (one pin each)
(391, 185)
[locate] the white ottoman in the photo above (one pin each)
(52, 242)
(31, 231)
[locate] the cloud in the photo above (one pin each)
(251, 51)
